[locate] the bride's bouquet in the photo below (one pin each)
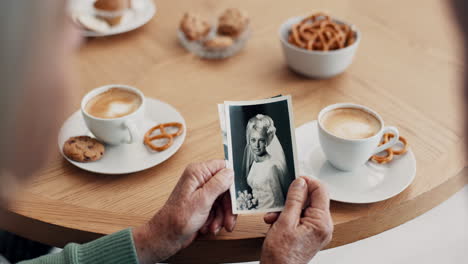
(246, 201)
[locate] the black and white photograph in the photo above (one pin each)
(259, 143)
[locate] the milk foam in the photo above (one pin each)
(118, 109)
(351, 123)
(113, 103)
(352, 129)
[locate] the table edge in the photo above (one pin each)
(219, 250)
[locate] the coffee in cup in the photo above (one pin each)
(350, 123)
(113, 103)
(350, 134)
(112, 113)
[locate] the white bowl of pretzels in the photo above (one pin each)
(318, 46)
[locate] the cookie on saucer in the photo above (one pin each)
(83, 149)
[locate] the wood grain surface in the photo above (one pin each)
(408, 67)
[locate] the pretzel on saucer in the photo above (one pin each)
(170, 137)
(383, 159)
(403, 140)
(390, 151)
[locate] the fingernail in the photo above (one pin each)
(217, 230)
(299, 183)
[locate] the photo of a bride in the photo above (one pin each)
(261, 149)
(264, 163)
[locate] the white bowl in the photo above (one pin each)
(316, 64)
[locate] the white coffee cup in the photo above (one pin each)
(349, 154)
(118, 130)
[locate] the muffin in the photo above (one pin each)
(232, 22)
(194, 27)
(111, 11)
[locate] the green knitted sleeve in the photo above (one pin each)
(115, 248)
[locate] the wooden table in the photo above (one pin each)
(408, 68)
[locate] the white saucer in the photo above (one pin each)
(127, 158)
(371, 183)
(142, 12)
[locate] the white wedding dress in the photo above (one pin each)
(265, 180)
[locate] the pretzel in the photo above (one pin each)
(319, 32)
(296, 38)
(403, 140)
(383, 159)
(148, 138)
(159, 148)
(390, 151)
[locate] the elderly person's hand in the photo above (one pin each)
(297, 234)
(200, 202)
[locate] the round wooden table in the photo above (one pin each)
(408, 68)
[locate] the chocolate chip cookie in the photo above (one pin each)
(83, 149)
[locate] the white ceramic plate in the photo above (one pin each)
(370, 183)
(127, 158)
(142, 12)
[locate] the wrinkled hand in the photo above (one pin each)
(200, 203)
(297, 234)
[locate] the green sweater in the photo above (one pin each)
(115, 248)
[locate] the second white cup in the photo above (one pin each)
(349, 154)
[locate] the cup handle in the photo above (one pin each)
(132, 131)
(392, 141)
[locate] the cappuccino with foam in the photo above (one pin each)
(350, 123)
(113, 103)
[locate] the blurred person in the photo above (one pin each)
(36, 50)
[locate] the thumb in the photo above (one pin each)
(215, 186)
(297, 196)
